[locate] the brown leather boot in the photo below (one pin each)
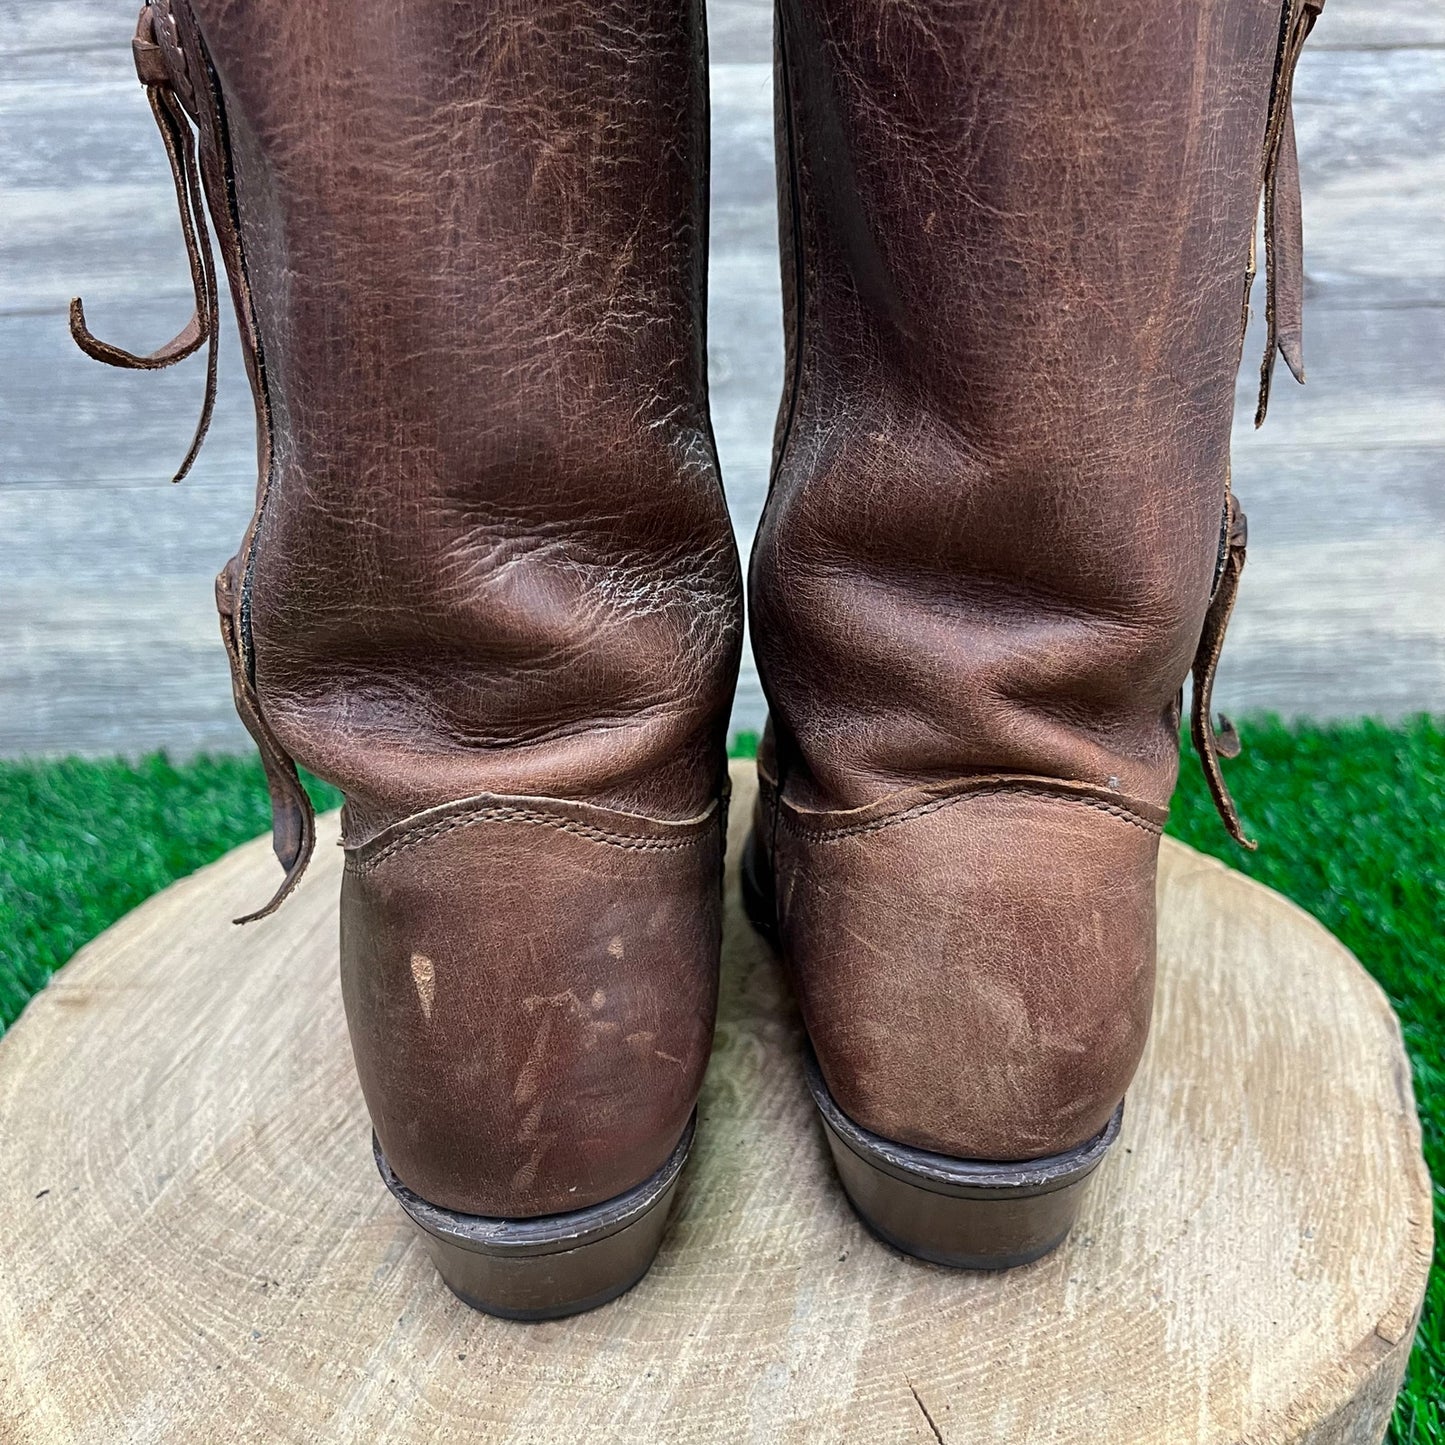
(490, 590)
(1017, 242)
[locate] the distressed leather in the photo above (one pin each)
(490, 556)
(1018, 241)
(1036, 1055)
(553, 965)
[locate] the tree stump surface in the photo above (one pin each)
(197, 1246)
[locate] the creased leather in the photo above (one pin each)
(490, 555)
(486, 240)
(1014, 239)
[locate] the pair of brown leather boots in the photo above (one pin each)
(491, 591)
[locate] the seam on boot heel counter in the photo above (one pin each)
(791, 821)
(363, 857)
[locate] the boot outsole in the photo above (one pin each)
(962, 1213)
(551, 1266)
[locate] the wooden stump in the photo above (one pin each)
(197, 1246)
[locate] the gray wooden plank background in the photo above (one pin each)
(107, 631)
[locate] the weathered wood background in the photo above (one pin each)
(107, 632)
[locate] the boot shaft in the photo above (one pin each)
(1019, 239)
(491, 550)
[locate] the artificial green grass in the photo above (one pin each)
(81, 843)
(1350, 820)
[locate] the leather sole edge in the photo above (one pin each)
(961, 1213)
(552, 1266)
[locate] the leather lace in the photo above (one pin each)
(204, 326)
(1283, 231)
(1216, 739)
(161, 67)
(1284, 303)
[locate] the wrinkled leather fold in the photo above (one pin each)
(907, 804)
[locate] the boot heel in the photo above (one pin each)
(968, 1214)
(551, 1266)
